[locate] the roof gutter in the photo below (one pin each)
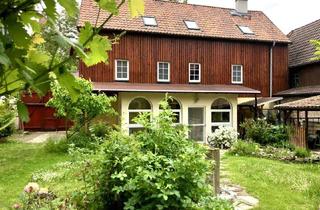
(271, 69)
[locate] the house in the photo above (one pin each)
(304, 81)
(304, 72)
(207, 58)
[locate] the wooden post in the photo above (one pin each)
(298, 118)
(306, 128)
(255, 107)
(215, 155)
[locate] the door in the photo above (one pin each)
(196, 121)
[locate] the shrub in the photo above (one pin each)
(57, 145)
(99, 129)
(157, 168)
(263, 133)
(223, 138)
(302, 153)
(83, 140)
(7, 118)
(244, 148)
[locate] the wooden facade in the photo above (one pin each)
(215, 56)
(308, 75)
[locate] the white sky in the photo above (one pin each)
(286, 14)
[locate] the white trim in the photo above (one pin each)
(169, 69)
(116, 70)
(241, 72)
(195, 81)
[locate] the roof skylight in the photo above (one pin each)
(191, 25)
(150, 21)
(246, 30)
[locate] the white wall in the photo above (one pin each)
(186, 100)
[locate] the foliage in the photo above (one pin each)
(274, 182)
(25, 61)
(7, 117)
(224, 137)
(316, 44)
(155, 168)
(263, 133)
(302, 152)
(100, 129)
(56, 145)
(87, 106)
(244, 148)
(84, 140)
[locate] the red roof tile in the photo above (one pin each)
(172, 88)
(301, 51)
(214, 22)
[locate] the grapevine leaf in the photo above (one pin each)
(85, 33)
(23, 111)
(17, 31)
(108, 5)
(4, 59)
(38, 57)
(31, 19)
(50, 9)
(136, 7)
(98, 51)
(70, 6)
(68, 81)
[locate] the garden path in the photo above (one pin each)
(37, 137)
(236, 194)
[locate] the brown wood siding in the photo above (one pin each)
(280, 68)
(309, 75)
(215, 57)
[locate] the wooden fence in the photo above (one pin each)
(299, 136)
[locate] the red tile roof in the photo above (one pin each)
(214, 22)
(312, 104)
(301, 51)
(172, 88)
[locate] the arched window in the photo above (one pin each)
(220, 114)
(176, 109)
(136, 107)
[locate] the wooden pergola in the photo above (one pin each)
(304, 105)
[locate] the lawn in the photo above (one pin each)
(17, 163)
(278, 185)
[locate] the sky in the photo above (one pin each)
(286, 14)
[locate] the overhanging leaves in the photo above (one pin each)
(17, 31)
(70, 6)
(23, 111)
(136, 7)
(68, 81)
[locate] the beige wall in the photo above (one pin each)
(186, 100)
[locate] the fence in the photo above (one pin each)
(214, 154)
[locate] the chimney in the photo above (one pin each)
(242, 6)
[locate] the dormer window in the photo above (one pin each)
(150, 21)
(191, 25)
(246, 30)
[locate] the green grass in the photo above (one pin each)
(17, 163)
(278, 185)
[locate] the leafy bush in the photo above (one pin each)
(157, 168)
(263, 133)
(244, 148)
(99, 129)
(302, 153)
(223, 138)
(84, 140)
(7, 117)
(57, 145)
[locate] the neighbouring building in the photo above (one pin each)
(207, 58)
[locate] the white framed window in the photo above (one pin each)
(220, 114)
(176, 109)
(194, 72)
(122, 70)
(237, 74)
(163, 72)
(196, 123)
(246, 30)
(136, 107)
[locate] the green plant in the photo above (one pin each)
(100, 129)
(155, 168)
(223, 138)
(302, 152)
(56, 145)
(83, 110)
(7, 117)
(84, 140)
(244, 148)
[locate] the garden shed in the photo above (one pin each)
(304, 116)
